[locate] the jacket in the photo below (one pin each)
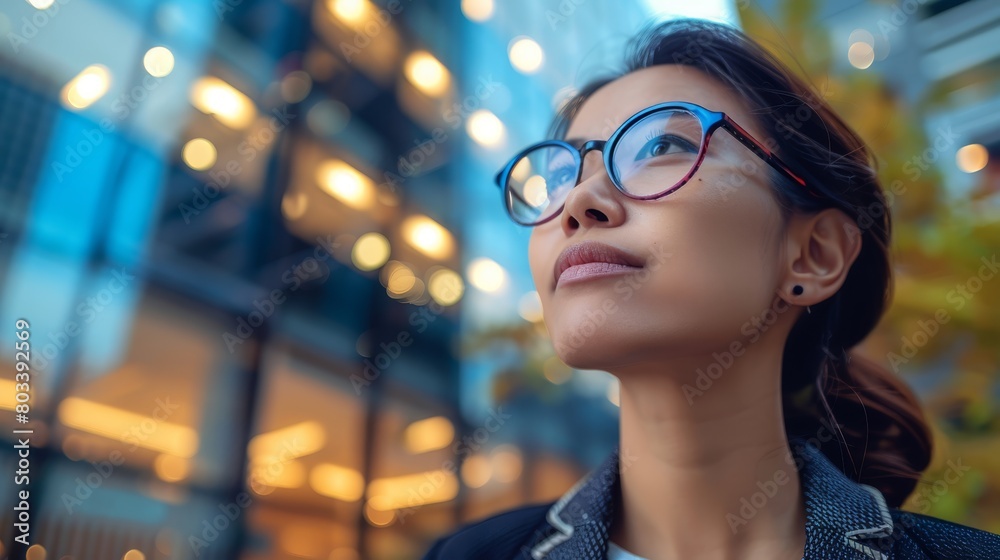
(845, 520)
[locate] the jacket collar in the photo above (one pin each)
(844, 519)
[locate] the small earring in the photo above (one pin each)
(797, 290)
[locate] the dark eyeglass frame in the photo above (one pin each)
(710, 122)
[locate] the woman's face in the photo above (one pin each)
(710, 248)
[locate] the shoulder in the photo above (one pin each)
(937, 538)
(496, 537)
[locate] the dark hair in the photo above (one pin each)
(883, 438)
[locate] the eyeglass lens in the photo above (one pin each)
(651, 156)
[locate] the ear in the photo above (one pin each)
(821, 249)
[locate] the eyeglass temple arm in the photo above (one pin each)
(756, 147)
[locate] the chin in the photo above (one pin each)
(589, 349)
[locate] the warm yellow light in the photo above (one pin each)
(370, 251)
(428, 236)
(401, 280)
(8, 400)
(337, 482)
(972, 158)
(476, 471)
(861, 55)
(428, 434)
(556, 371)
(427, 73)
(484, 127)
(158, 61)
(35, 552)
(525, 54)
(412, 490)
(346, 184)
(171, 467)
(353, 13)
(296, 440)
(213, 96)
(134, 554)
(521, 170)
(294, 206)
(415, 294)
(278, 474)
(122, 425)
(303, 541)
(477, 10)
(378, 517)
(258, 486)
(445, 286)
(199, 154)
(535, 192)
(486, 274)
(86, 87)
(507, 463)
(530, 307)
(41, 4)
(343, 553)
(295, 86)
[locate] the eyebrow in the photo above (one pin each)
(576, 142)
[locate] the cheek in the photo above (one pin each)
(535, 252)
(722, 267)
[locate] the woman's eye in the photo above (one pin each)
(665, 145)
(560, 175)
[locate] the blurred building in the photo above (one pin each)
(242, 326)
(942, 58)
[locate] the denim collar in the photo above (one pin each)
(845, 520)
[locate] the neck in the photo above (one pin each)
(707, 474)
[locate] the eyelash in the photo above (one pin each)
(653, 134)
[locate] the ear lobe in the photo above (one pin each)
(831, 242)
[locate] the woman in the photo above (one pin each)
(723, 283)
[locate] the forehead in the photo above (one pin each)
(615, 102)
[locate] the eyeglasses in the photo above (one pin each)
(652, 154)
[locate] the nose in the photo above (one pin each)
(595, 202)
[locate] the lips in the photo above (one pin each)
(597, 258)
